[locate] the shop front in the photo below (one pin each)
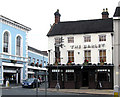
(12, 74)
(77, 76)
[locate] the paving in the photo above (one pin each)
(88, 91)
(78, 91)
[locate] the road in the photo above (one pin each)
(26, 92)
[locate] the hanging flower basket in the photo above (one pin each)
(40, 65)
(69, 62)
(32, 64)
(101, 62)
(36, 64)
(85, 62)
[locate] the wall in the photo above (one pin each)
(79, 40)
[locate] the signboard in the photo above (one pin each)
(42, 73)
(87, 46)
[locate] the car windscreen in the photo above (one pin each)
(30, 80)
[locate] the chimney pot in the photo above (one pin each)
(57, 16)
(105, 14)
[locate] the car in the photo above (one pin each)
(30, 83)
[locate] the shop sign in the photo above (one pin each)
(87, 46)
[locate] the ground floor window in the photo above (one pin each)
(102, 75)
(69, 77)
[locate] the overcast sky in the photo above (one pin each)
(39, 14)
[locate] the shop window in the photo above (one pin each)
(69, 76)
(6, 42)
(70, 39)
(71, 56)
(87, 38)
(54, 76)
(102, 75)
(102, 37)
(102, 55)
(87, 55)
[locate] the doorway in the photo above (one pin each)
(85, 79)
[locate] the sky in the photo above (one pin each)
(39, 14)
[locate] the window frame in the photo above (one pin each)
(87, 55)
(71, 56)
(102, 55)
(9, 42)
(70, 39)
(87, 38)
(102, 38)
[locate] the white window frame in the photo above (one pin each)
(21, 48)
(9, 42)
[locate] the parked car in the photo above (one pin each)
(30, 82)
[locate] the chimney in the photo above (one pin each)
(57, 16)
(105, 14)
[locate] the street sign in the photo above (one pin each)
(42, 73)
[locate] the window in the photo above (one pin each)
(57, 40)
(71, 56)
(87, 38)
(87, 55)
(37, 60)
(29, 60)
(69, 76)
(102, 37)
(102, 55)
(70, 39)
(33, 60)
(6, 42)
(18, 45)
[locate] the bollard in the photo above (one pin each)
(7, 83)
(116, 91)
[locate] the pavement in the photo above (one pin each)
(78, 91)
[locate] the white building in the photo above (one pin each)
(91, 47)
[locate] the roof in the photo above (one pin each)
(82, 27)
(117, 12)
(12, 22)
(37, 51)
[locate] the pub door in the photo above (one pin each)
(85, 79)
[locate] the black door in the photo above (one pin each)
(85, 79)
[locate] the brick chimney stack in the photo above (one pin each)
(105, 14)
(57, 16)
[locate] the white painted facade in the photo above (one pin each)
(78, 47)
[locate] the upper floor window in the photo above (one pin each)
(87, 38)
(70, 39)
(29, 60)
(37, 60)
(102, 37)
(6, 42)
(33, 60)
(87, 55)
(71, 56)
(57, 40)
(18, 45)
(102, 55)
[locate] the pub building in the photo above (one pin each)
(81, 53)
